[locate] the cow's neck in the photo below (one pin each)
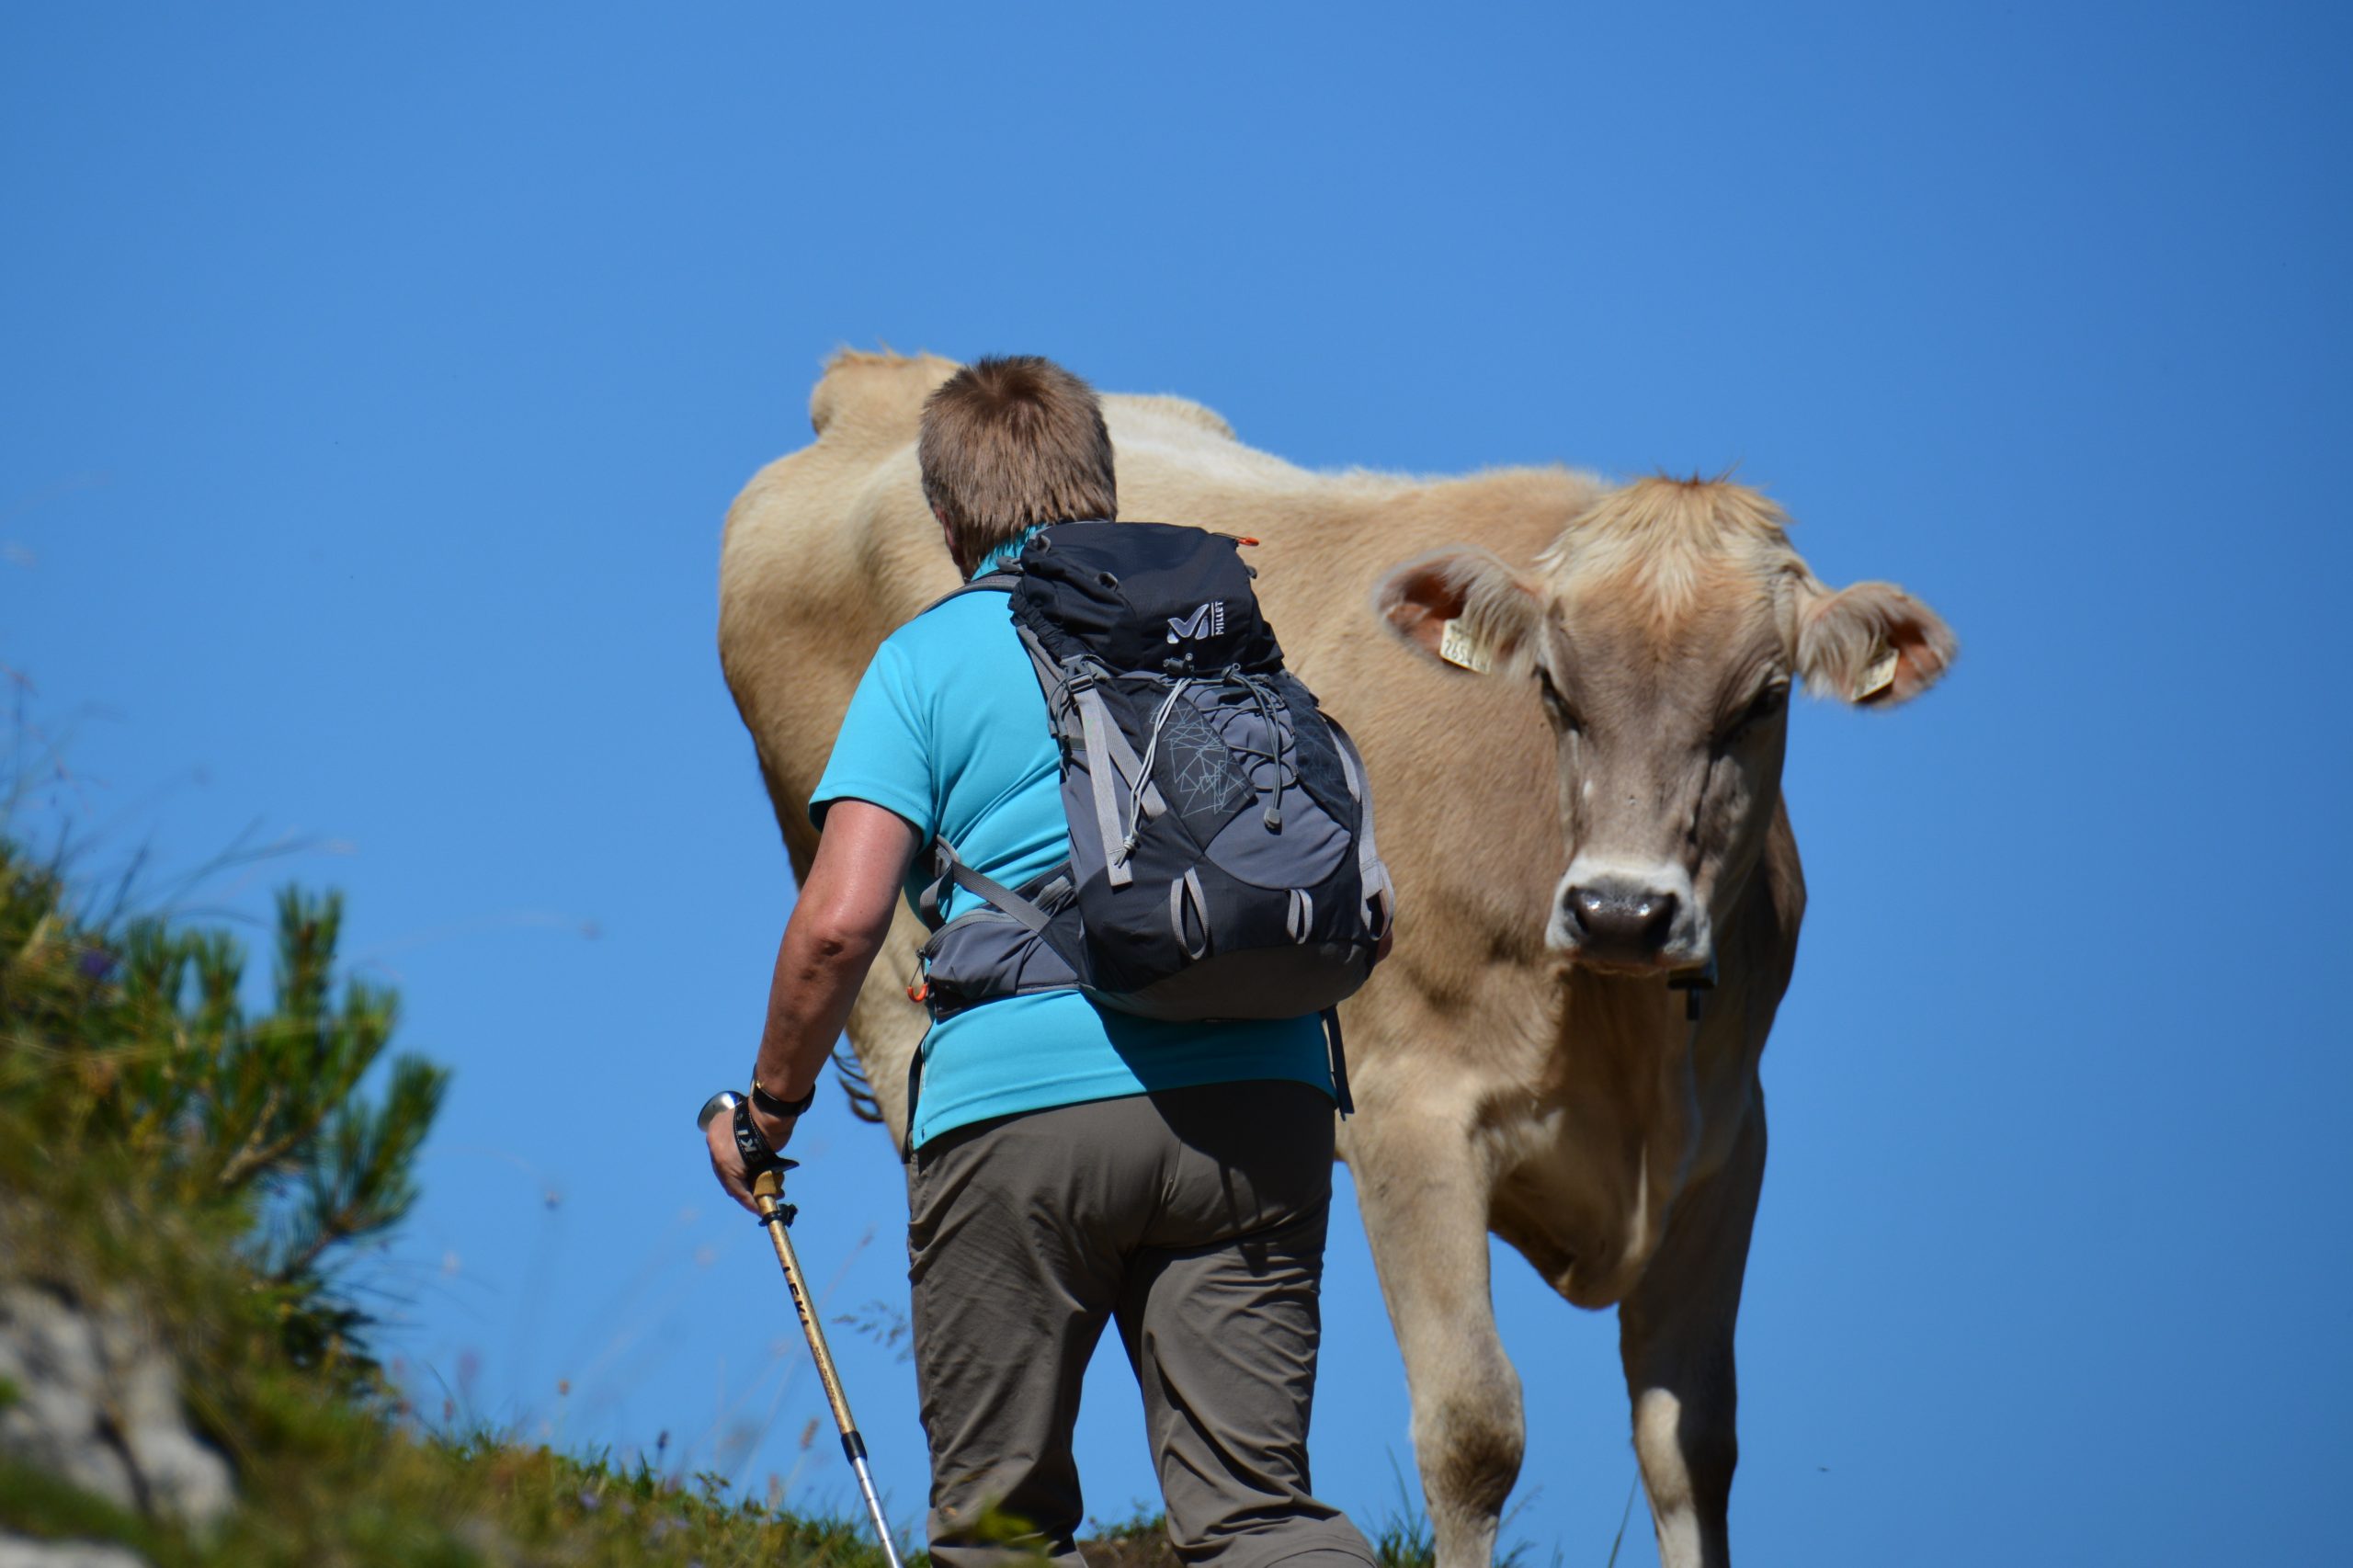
(1610, 1135)
(1626, 1054)
(1626, 1116)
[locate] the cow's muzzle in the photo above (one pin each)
(1610, 920)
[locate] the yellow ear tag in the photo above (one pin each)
(1878, 676)
(1457, 646)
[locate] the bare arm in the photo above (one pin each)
(837, 926)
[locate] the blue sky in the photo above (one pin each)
(377, 381)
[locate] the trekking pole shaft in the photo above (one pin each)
(766, 1189)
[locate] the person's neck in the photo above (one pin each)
(1004, 554)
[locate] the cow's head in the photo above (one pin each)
(1660, 635)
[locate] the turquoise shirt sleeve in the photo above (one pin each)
(882, 754)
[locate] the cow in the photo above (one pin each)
(1572, 699)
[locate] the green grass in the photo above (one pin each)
(1402, 1537)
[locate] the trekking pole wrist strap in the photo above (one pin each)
(753, 1149)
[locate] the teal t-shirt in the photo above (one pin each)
(948, 729)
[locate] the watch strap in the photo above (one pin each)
(771, 1106)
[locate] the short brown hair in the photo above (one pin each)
(1008, 443)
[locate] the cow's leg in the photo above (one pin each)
(885, 1027)
(1675, 1335)
(1422, 1184)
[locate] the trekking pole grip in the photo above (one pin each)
(760, 1160)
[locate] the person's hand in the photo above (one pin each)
(776, 1131)
(727, 1160)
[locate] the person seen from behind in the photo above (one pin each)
(1070, 1166)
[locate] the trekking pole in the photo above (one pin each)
(777, 1215)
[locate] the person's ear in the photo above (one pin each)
(947, 538)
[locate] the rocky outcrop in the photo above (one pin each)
(94, 1401)
(18, 1553)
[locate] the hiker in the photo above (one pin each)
(1070, 1163)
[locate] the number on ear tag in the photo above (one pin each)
(1878, 676)
(1457, 646)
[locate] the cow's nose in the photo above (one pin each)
(1621, 921)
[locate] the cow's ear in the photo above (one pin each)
(1463, 607)
(1871, 644)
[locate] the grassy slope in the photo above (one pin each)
(120, 1124)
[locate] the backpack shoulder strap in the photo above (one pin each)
(946, 864)
(947, 867)
(995, 581)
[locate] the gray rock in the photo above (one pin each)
(15, 1551)
(98, 1406)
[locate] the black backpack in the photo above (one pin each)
(1221, 860)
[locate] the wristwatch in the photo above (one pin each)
(771, 1106)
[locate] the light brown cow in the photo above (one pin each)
(1593, 821)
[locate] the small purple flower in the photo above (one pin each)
(95, 963)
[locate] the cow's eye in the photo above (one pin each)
(1768, 703)
(1556, 707)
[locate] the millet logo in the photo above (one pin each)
(1209, 620)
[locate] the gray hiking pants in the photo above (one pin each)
(1193, 1218)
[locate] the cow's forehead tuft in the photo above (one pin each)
(1665, 557)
